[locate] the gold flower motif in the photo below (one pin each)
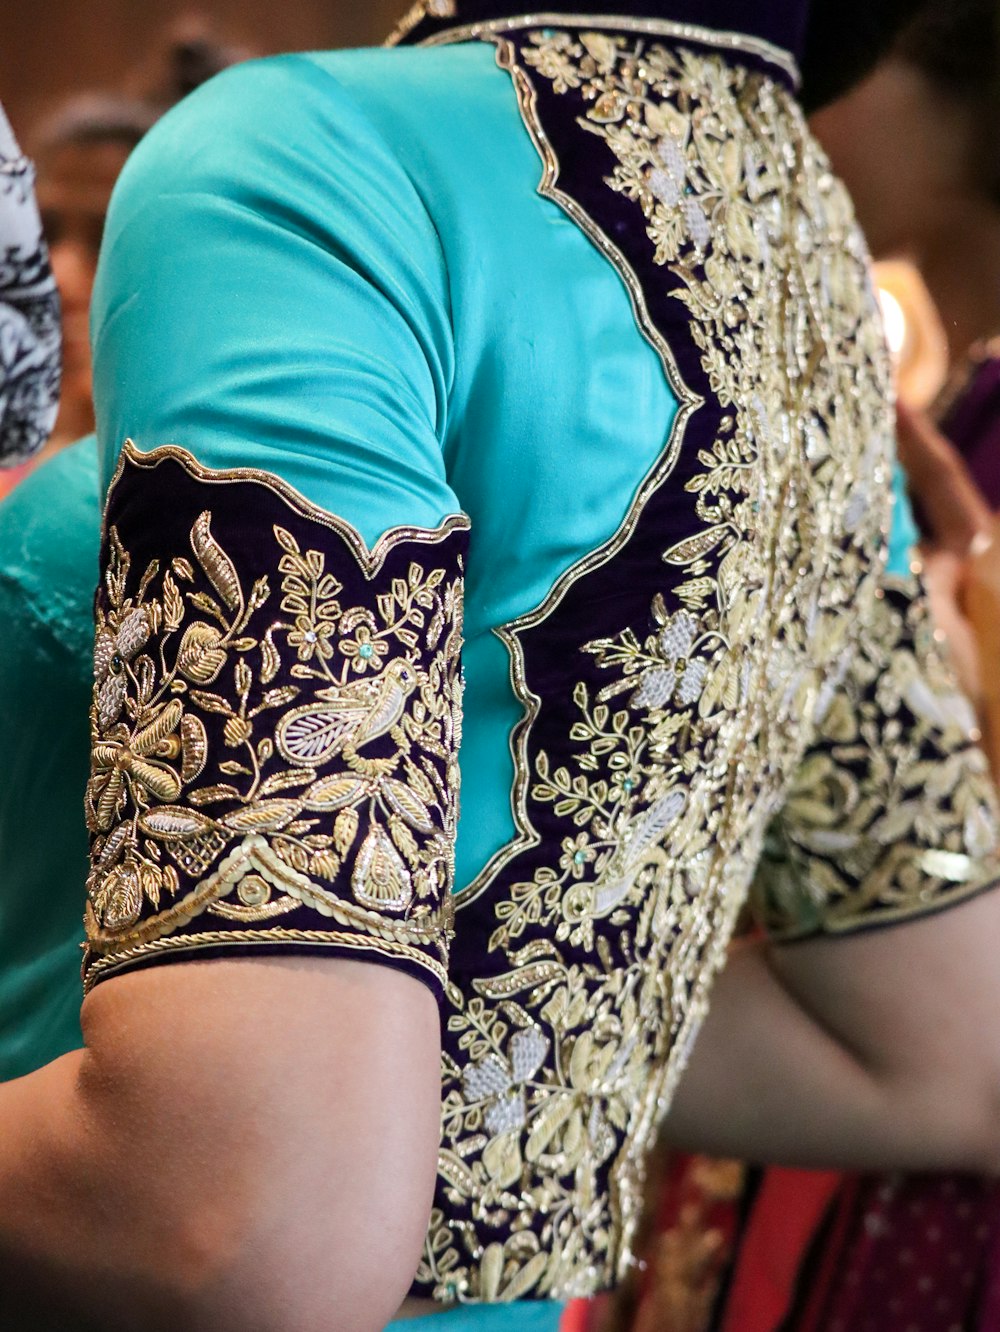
(364, 649)
(577, 855)
(311, 637)
(131, 766)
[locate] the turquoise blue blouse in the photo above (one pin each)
(314, 268)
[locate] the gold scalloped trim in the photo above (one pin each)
(726, 40)
(370, 559)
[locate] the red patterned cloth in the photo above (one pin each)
(920, 1257)
(788, 1209)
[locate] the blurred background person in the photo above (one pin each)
(29, 314)
(82, 146)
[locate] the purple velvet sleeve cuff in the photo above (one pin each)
(275, 727)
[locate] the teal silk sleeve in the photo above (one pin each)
(276, 709)
(272, 294)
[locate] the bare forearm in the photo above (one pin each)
(771, 1083)
(231, 1174)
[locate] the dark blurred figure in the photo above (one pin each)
(81, 149)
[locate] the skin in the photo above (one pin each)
(179, 1171)
(252, 1144)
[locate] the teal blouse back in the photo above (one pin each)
(322, 311)
(329, 315)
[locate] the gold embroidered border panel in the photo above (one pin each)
(275, 725)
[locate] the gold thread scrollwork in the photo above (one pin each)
(259, 747)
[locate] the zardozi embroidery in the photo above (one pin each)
(643, 794)
(272, 742)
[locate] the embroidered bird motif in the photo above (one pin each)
(350, 715)
(644, 847)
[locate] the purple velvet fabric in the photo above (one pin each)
(192, 712)
(972, 423)
(606, 599)
(609, 596)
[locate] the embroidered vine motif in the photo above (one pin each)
(260, 746)
(644, 793)
(858, 839)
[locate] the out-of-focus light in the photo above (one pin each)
(913, 331)
(894, 318)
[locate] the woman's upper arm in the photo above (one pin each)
(277, 667)
(881, 863)
(248, 1144)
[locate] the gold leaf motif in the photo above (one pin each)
(325, 865)
(285, 779)
(271, 661)
(380, 879)
(404, 840)
(333, 792)
(109, 800)
(405, 802)
(211, 702)
(173, 604)
(195, 748)
(208, 795)
(161, 726)
(491, 1271)
(264, 816)
(157, 778)
(175, 823)
(216, 563)
(527, 1278)
(345, 830)
(121, 903)
(547, 1125)
(502, 1159)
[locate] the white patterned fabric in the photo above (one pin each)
(29, 312)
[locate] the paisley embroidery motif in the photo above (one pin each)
(275, 731)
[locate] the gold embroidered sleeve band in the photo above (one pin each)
(893, 813)
(275, 726)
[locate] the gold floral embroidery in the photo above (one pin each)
(892, 812)
(733, 43)
(563, 1049)
(251, 747)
